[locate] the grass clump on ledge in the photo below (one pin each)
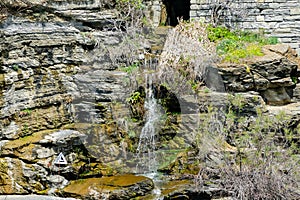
(234, 46)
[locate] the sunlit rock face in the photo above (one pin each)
(50, 65)
(36, 61)
(53, 72)
(273, 75)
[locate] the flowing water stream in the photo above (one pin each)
(147, 162)
(146, 150)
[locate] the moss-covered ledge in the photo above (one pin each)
(114, 187)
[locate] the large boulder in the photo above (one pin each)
(273, 75)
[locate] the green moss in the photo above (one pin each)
(43, 192)
(24, 141)
(172, 186)
(81, 187)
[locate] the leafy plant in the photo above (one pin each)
(131, 134)
(131, 68)
(273, 40)
(136, 104)
(228, 45)
(294, 79)
(28, 111)
(219, 32)
(134, 98)
(234, 55)
(15, 67)
(233, 46)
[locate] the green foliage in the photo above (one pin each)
(27, 111)
(15, 67)
(206, 90)
(236, 45)
(134, 98)
(194, 84)
(294, 79)
(136, 104)
(228, 45)
(233, 51)
(131, 68)
(273, 40)
(131, 134)
(217, 33)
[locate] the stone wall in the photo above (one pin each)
(279, 18)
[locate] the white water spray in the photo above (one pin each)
(146, 151)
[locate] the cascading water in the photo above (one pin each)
(146, 151)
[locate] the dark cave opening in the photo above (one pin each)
(174, 10)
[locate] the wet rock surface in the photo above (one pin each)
(115, 187)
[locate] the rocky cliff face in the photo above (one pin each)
(35, 63)
(55, 70)
(62, 90)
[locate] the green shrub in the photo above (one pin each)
(233, 46)
(273, 40)
(217, 33)
(234, 55)
(228, 45)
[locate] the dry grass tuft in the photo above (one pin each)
(188, 50)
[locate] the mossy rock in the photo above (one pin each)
(94, 170)
(114, 187)
(27, 140)
(181, 166)
(171, 186)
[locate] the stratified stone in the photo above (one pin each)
(271, 74)
(276, 96)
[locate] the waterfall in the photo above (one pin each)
(146, 150)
